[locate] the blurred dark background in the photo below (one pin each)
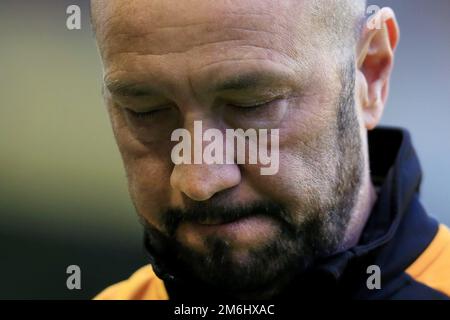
(63, 196)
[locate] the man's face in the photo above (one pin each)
(233, 64)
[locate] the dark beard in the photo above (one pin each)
(294, 250)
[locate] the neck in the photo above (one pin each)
(360, 213)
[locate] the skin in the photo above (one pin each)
(171, 56)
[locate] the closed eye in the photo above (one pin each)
(249, 106)
(254, 105)
(145, 114)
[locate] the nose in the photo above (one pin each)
(202, 181)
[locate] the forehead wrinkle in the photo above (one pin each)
(155, 42)
(149, 36)
(140, 41)
(157, 13)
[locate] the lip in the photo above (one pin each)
(244, 228)
(213, 222)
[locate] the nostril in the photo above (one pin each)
(197, 193)
(201, 182)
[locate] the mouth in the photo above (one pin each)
(218, 221)
(249, 228)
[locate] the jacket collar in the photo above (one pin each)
(398, 229)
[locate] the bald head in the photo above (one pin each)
(332, 24)
(341, 20)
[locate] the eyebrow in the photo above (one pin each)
(125, 88)
(251, 80)
(244, 81)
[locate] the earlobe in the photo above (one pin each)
(375, 61)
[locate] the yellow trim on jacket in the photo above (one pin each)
(432, 267)
(142, 285)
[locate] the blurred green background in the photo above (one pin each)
(63, 196)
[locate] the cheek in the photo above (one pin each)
(148, 168)
(307, 159)
(149, 186)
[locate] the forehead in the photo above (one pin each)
(201, 34)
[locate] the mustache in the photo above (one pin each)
(200, 212)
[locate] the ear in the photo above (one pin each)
(375, 52)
